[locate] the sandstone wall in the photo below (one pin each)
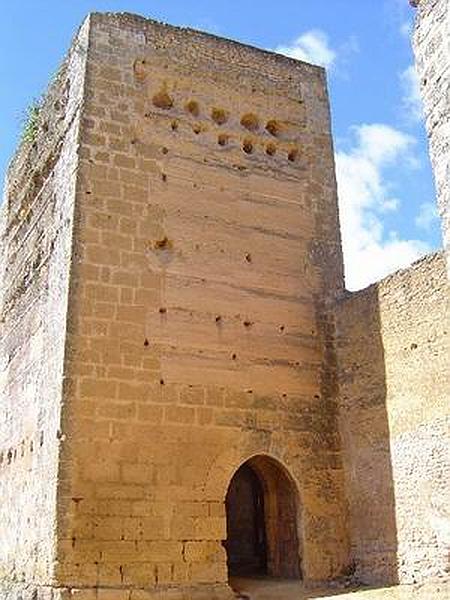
(36, 234)
(393, 349)
(206, 249)
(432, 51)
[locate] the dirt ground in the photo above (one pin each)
(263, 589)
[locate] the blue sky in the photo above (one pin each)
(386, 192)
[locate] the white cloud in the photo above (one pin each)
(312, 47)
(412, 101)
(364, 194)
(427, 216)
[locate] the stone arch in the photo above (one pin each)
(263, 519)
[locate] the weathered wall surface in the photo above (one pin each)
(36, 233)
(207, 244)
(393, 349)
(432, 51)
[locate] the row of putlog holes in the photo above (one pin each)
(249, 121)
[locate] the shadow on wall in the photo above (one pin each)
(365, 436)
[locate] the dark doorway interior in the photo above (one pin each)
(246, 532)
(262, 521)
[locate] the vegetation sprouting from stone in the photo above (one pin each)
(31, 121)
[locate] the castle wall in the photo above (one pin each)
(36, 234)
(207, 246)
(393, 348)
(432, 52)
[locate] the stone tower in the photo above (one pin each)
(170, 252)
(432, 51)
(187, 392)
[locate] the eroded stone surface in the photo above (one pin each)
(36, 226)
(393, 347)
(432, 52)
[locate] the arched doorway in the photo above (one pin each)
(262, 521)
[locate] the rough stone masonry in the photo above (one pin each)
(179, 356)
(432, 51)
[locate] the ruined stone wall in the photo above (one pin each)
(206, 247)
(432, 52)
(36, 233)
(393, 349)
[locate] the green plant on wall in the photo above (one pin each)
(31, 121)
